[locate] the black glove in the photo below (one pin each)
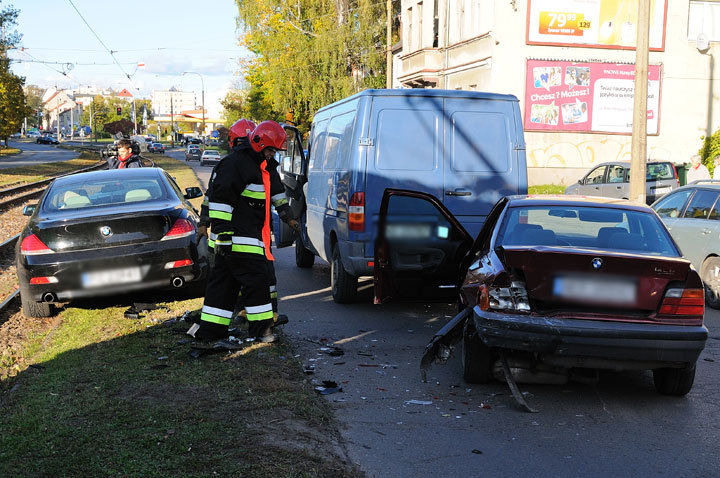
(223, 244)
(295, 225)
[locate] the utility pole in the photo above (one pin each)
(639, 129)
(202, 85)
(388, 35)
(92, 120)
(172, 125)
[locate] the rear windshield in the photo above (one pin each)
(587, 228)
(658, 171)
(97, 192)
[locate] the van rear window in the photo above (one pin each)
(407, 141)
(480, 142)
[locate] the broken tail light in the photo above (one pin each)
(181, 228)
(176, 264)
(685, 304)
(356, 212)
(44, 280)
(508, 298)
(32, 245)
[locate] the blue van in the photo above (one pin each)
(462, 146)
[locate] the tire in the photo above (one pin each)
(303, 257)
(343, 285)
(711, 281)
(31, 308)
(674, 381)
(477, 358)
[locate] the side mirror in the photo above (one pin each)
(29, 210)
(580, 181)
(193, 192)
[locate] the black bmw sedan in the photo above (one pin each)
(108, 232)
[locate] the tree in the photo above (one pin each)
(13, 108)
(124, 126)
(311, 52)
(33, 99)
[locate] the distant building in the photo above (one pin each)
(164, 101)
(62, 111)
(125, 95)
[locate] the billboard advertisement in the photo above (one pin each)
(586, 97)
(593, 23)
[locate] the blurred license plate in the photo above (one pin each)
(407, 231)
(592, 289)
(111, 277)
(662, 190)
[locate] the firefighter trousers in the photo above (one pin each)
(231, 275)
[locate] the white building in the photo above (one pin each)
(570, 63)
(163, 101)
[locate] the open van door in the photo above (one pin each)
(420, 247)
(293, 170)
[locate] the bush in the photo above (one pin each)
(710, 149)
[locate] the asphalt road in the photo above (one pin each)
(35, 153)
(396, 425)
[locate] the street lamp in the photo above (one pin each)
(202, 84)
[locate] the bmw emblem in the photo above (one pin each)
(597, 263)
(106, 231)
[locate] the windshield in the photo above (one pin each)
(99, 192)
(586, 228)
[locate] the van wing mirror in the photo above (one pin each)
(29, 209)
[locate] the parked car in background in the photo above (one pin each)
(210, 157)
(555, 283)
(692, 214)
(612, 180)
(156, 148)
(193, 151)
(47, 139)
(33, 134)
(106, 233)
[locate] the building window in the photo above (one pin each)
(436, 24)
(704, 17)
(419, 29)
(410, 29)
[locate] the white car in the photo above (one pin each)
(210, 158)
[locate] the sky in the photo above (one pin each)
(168, 36)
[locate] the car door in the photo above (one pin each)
(592, 182)
(615, 184)
(420, 247)
(293, 171)
(696, 230)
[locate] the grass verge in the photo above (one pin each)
(92, 393)
(9, 151)
(29, 174)
(547, 189)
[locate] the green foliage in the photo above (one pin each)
(710, 149)
(547, 189)
(105, 112)
(121, 126)
(33, 99)
(13, 107)
(310, 53)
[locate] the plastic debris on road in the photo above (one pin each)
(328, 387)
(418, 402)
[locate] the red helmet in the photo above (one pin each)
(240, 129)
(268, 134)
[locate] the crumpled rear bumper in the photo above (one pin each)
(617, 341)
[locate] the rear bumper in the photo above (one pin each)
(582, 338)
(149, 259)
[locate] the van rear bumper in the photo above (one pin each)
(354, 260)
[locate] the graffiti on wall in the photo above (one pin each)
(584, 154)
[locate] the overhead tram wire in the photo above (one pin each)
(103, 44)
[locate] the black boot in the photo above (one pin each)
(208, 331)
(280, 319)
(261, 330)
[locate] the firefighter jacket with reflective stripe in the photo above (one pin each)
(239, 203)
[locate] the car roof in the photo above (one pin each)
(110, 174)
(706, 183)
(626, 164)
(576, 201)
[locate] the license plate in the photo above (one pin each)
(407, 231)
(662, 190)
(614, 290)
(111, 277)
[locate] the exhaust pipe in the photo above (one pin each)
(49, 297)
(178, 282)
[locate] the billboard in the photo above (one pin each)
(593, 23)
(586, 97)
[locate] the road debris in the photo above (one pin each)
(332, 351)
(328, 387)
(513, 386)
(418, 402)
(440, 346)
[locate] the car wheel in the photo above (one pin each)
(31, 308)
(343, 285)
(710, 274)
(303, 257)
(674, 381)
(477, 358)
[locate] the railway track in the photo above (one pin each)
(19, 194)
(9, 304)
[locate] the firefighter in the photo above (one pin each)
(239, 212)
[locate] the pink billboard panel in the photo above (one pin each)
(586, 97)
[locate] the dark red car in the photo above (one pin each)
(554, 282)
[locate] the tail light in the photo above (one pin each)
(686, 304)
(44, 280)
(505, 298)
(32, 245)
(176, 264)
(356, 212)
(181, 228)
